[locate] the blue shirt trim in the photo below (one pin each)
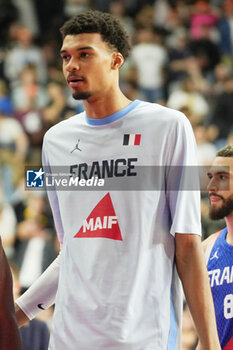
(113, 117)
(171, 345)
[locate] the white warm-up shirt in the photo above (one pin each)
(149, 60)
(118, 287)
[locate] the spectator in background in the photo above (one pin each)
(189, 97)
(13, 150)
(5, 101)
(130, 89)
(206, 52)
(223, 112)
(8, 15)
(51, 48)
(149, 58)
(36, 248)
(75, 6)
(230, 136)
(175, 18)
(29, 98)
(53, 11)
(27, 16)
(161, 12)
(178, 53)
(8, 224)
(24, 52)
(225, 27)
(203, 15)
(144, 17)
(57, 108)
(117, 8)
(221, 72)
(205, 150)
(28, 94)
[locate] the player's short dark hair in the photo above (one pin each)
(226, 151)
(108, 26)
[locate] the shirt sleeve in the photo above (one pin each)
(41, 295)
(183, 185)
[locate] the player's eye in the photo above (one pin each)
(84, 54)
(65, 57)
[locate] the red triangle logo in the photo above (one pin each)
(102, 222)
(229, 345)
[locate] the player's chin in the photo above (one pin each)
(78, 95)
(215, 213)
(215, 206)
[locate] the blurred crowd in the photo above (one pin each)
(181, 58)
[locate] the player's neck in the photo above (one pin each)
(229, 222)
(102, 106)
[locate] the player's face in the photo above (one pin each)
(87, 65)
(220, 188)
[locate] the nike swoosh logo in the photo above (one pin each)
(40, 306)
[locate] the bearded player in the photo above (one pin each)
(219, 246)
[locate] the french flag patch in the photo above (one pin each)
(132, 140)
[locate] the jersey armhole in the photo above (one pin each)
(210, 246)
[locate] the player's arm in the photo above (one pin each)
(192, 270)
(207, 246)
(41, 295)
(9, 335)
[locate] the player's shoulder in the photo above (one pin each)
(160, 111)
(58, 129)
(157, 116)
(209, 242)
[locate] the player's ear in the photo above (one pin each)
(117, 60)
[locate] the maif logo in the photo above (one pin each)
(35, 178)
(102, 222)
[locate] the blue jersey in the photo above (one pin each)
(220, 268)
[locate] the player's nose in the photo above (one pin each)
(212, 186)
(72, 66)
